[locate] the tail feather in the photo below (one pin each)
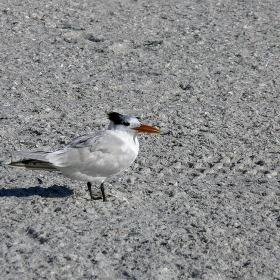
(31, 160)
(33, 164)
(24, 155)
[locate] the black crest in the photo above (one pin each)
(116, 118)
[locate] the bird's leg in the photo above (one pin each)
(89, 189)
(103, 192)
(96, 197)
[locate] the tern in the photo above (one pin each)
(93, 157)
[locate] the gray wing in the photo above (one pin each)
(96, 155)
(39, 160)
(85, 140)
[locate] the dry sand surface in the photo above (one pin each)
(202, 200)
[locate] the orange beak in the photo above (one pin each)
(147, 128)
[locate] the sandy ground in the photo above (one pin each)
(205, 199)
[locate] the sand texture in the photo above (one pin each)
(202, 200)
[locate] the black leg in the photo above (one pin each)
(98, 197)
(103, 192)
(89, 189)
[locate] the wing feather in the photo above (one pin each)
(95, 155)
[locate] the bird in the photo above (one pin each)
(93, 157)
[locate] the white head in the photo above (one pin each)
(129, 124)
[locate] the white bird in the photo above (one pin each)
(93, 157)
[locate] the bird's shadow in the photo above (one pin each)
(54, 191)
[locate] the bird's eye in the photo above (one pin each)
(126, 123)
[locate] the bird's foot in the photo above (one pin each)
(98, 196)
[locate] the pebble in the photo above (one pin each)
(130, 180)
